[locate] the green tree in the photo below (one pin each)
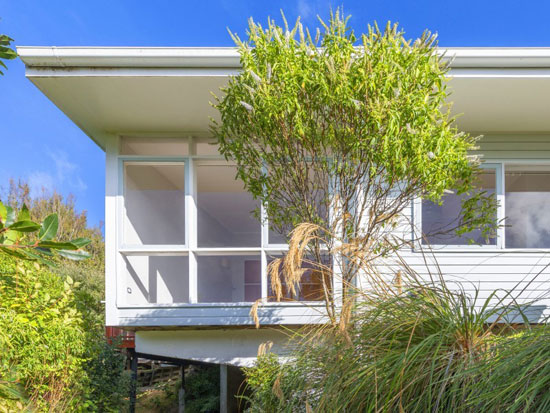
(6, 52)
(343, 132)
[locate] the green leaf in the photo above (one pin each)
(13, 253)
(11, 237)
(49, 228)
(57, 245)
(24, 214)
(10, 216)
(7, 53)
(3, 213)
(74, 255)
(45, 251)
(5, 40)
(81, 242)
(24, 226)
(37, 257)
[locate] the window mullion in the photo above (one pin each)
(501, 236)
(263, 257)
(264, 280)
(191, 225)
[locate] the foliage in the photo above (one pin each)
(101, 383)
(517, 376)
(6, 52)
(201, 392)
(41, 333)
(267, 380)
(202, 389)
(15, 237)
(72, 223)
(420, 346)
(355, 125)
(109, 382)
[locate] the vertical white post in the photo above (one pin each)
(112, 217)
(191, 221)
(501, 211)
(263, 258)
(337, 282)
(264, 279)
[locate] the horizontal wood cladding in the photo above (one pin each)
(220, 316)
(514, 146)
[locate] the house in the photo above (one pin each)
(184, 258)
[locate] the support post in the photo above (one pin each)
(181, 392)
(223, 388)
(133, 381)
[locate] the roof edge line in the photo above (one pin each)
(228, 57)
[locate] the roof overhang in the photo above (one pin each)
(147, 91)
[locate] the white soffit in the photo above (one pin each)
(110, 90)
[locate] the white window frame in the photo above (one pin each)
(190, 247)
(499, 191)
(501, 214)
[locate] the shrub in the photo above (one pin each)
(425, 346)
(202, 385)
(51, 333)
(109, 381)
(41, 333)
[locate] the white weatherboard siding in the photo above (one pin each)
(486, 269)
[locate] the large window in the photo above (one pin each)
(187, 233)
(527, 206)
(523, 192)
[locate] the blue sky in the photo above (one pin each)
(41, 145)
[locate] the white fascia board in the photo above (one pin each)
(500, 57)
(228, 57)
(218, 57)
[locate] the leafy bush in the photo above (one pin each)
(41, 333)
(108, 381)
(202, 385)
(59, 327)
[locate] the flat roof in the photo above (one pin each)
(163, 91)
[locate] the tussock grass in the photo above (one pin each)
(410, 344)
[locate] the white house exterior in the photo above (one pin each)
(185, 260)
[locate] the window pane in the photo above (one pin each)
(311, 286)
(153, 146)
(225, 209)
(229, 279)
(318, 197)
(527, 206)
(440, 221)
(156, 279)
(154, 200)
